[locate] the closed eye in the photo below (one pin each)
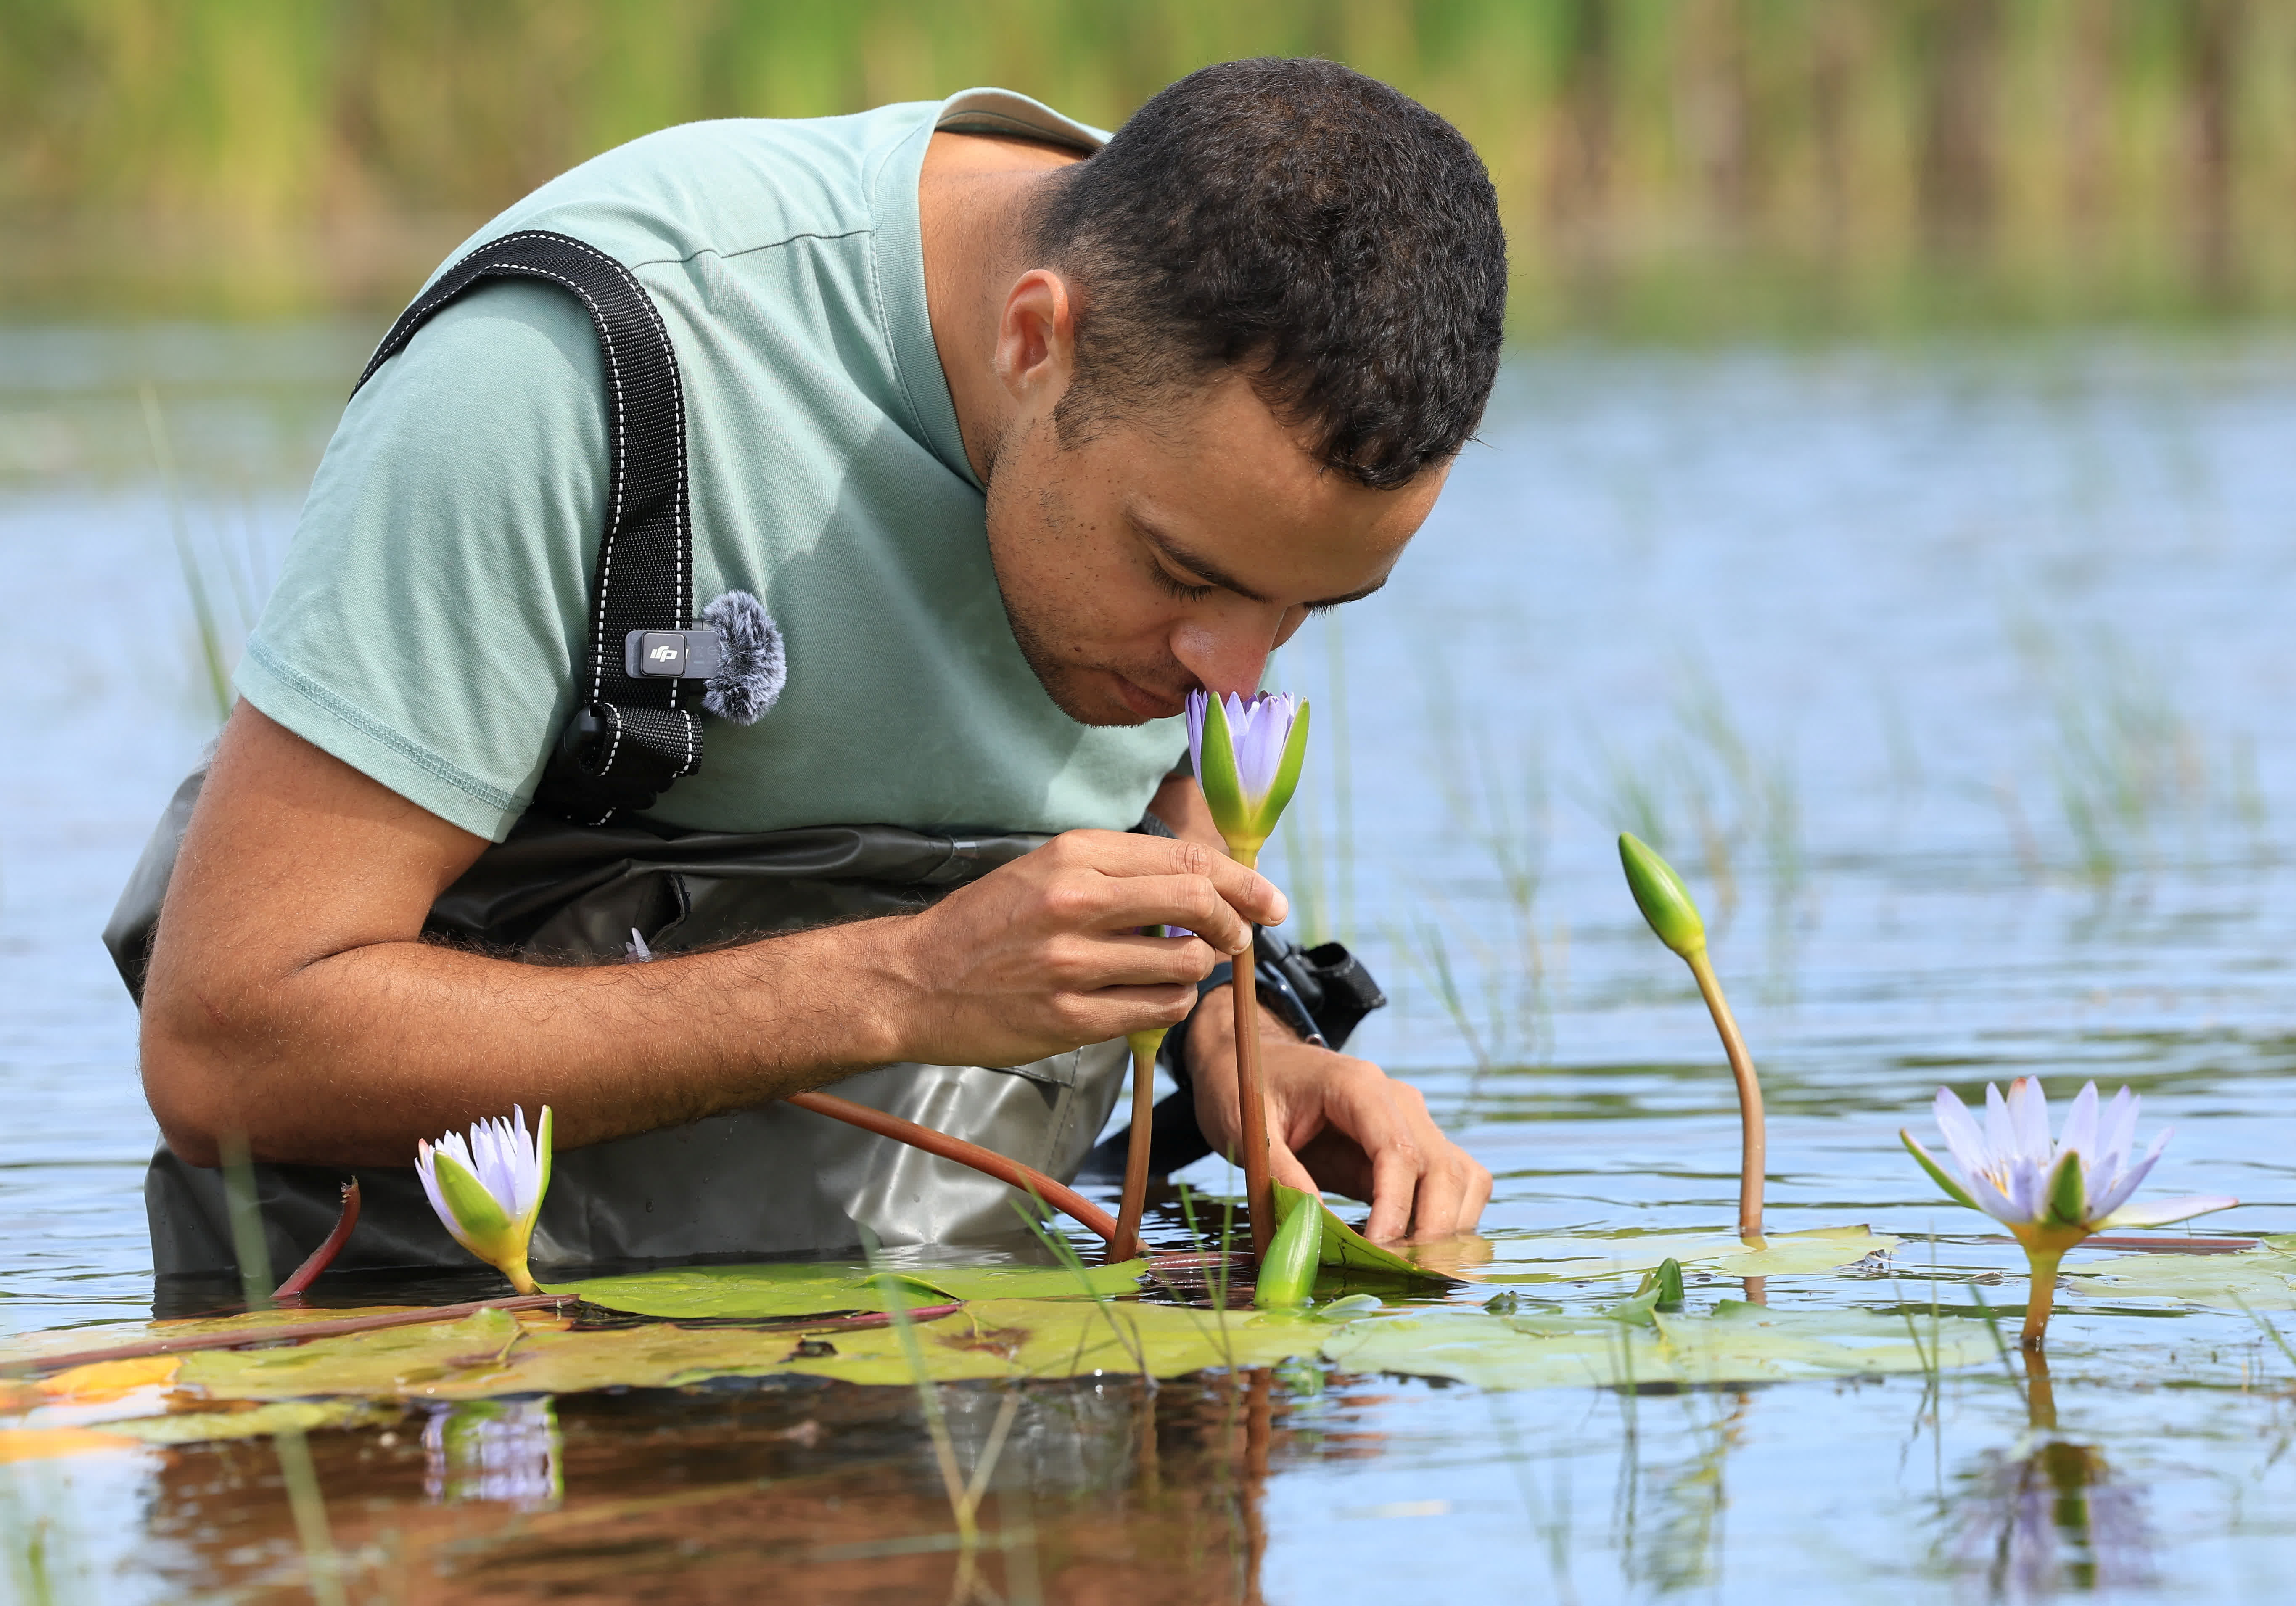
(1173, 587)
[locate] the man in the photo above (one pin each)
(1019, 440)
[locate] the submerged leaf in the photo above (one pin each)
(1723, 1254)
(210, 1427)
(1737, 1343)
(811, 1287)
(2262, 1279)
(993, 1339)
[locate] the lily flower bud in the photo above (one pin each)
(1660, 895)
(1247, 754)
(488, 1191)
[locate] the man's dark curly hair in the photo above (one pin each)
(1330, 238)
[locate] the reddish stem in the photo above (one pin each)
(324, 1255)
(1259, 1187)
(1026, 1178)
(1126, 1244)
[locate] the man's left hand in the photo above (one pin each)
(1339, 1123)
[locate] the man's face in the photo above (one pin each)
(1178, 552)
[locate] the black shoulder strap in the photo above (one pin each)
(632, 737)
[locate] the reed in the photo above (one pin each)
(1663, 163)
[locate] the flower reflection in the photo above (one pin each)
(503, 1450)
(2053, 1517)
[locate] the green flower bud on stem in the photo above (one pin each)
(1659, 893)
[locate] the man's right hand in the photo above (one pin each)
(292, 1000)
(1046, 954)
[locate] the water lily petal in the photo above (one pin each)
(2080, 1126)
(2116, 1131)
(2000, 1132)
(2022, 1189)
(2106, 1200)
(1961, 1136)
(2160, 1213)
(2028, 1119)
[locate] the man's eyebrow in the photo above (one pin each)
(1205, 570)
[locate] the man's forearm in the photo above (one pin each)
(354, 1057)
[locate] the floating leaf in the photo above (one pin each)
(806, 1289)
(1723, 1254)
(989, 1339)
(2263, 1279)
(1350, 1251)
(1737, 1343)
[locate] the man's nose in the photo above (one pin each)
(1229, 655)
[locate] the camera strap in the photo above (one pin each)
(635, 732)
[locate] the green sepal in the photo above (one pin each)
(484, 1225)
(1288, 1275)
(1658, 893)
(1287, 776)
(2068, 1195)
(1223, 787)
(1954, 1190)
(1669, 1285)
(542, 1169)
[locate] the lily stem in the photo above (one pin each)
(1259, 1187)
(1752, 1142)
(1126, 1244)
(2039, 1302)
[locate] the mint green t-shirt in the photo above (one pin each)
(435, 598)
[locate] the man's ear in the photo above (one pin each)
(1035, 338)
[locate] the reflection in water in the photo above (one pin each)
(2054, 1518)
(1102, 1489)
(500, 1450)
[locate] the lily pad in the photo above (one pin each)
(805, 1288)
(1737, 1342)
(482, 1356)
(1345, 1247)
(1723, 1254)
(2262, 1279)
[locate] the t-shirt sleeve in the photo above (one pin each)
(435, 600)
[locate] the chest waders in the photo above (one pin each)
(576, 879)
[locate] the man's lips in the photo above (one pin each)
(1149, 704)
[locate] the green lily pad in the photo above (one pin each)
(1786, 1254)
(1737, 1342)
(1354, 1254)
(992, 1339)
(2262, 1279)
(805, 1288)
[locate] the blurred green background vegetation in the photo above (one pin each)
(1681, 166)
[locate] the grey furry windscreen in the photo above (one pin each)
(755, 669)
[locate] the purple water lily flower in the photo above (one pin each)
(1247, 754)
(2052, 1195)
(488, 1191)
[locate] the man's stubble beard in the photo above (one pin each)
(1059, 678)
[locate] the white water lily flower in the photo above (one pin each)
(488, 1191)
(2052, 1195)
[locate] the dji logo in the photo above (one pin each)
(665, 654)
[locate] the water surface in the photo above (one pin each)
(1955, 677)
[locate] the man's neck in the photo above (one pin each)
(972, 203)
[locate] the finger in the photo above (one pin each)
(1192, 904)
(1252, 896)
(1442, 1193)
(1087, 964)
(1284, 1166)
(1108, 1013)
(1395, 1179)
(1477, 1196)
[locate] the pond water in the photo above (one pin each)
(1957, 679)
